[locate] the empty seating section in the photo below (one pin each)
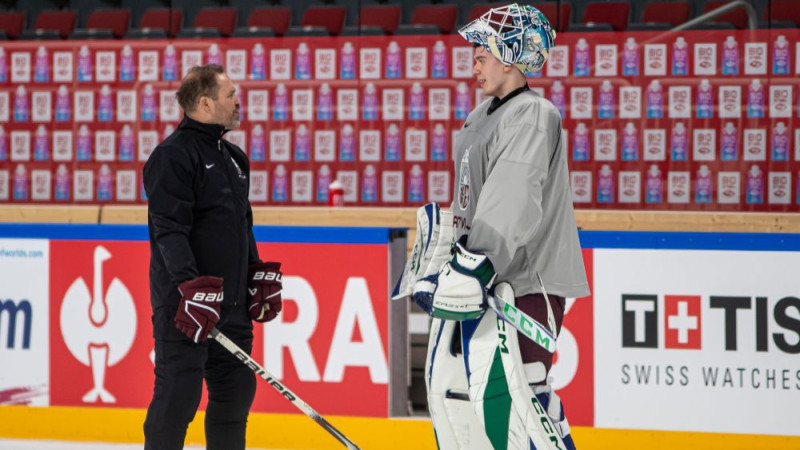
(614, 14)
(557, 13)
(385, 17)
(353, 17)
(52, 24)
(116, 21)
(442, 17)
(12, 24)
(736, 17)
(221, 19)
(782, 11)
(331, 18)
(169, 21)
(276, 19)
(673, 13)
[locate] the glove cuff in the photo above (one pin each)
(269, 265)
(473, 264)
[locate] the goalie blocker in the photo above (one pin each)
(480, 393)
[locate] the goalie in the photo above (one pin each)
(513, 225)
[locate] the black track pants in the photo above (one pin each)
(180, 367)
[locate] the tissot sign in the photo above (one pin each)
(711, 337)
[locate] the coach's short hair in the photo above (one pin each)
(200, 81)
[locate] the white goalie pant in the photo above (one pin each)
(495, 408)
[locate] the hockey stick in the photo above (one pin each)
(296, 401)
(525, 324)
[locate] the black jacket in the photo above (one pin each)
(199, 215)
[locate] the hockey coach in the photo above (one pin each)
(205, 271)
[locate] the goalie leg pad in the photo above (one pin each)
(454, 422)
(551, 402)
(512, 416)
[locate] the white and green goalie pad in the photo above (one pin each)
(432, 248)
(484, 387)
(454, 423)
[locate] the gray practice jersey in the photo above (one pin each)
(512, 196)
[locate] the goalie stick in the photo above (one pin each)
(291, 396)
(525, 324)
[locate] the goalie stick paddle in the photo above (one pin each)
(288, 394)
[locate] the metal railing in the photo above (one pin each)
(752, 22)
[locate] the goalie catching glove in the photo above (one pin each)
(458, 291)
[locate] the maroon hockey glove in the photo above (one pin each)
(264, 289)
(198, 311)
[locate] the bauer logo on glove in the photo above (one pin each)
(458, 292)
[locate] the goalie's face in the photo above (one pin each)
(495, 78)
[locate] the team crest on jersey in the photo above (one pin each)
(463, 181)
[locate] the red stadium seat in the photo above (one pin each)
(442, 17)
(673, 13)
(479, 10)
(783, 10)
(169, 20)
(329, 17)
(12, 24)
(386, 17)
(221, 19)
(557, 15)
(277, 19)
(612, 13)
(61, 21)
(116, 20)
(736, 17)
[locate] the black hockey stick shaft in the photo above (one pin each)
(288, 394)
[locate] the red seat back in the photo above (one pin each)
(557, 15)
(441, 16)
(223, 19)
(612, 13)
(736, 17)
(787, 10)
(62, 21)
(116, 20)
(277, 19)
(386, 17)
(673, 13)
(169, 20)
(12, 24)
(479, 10)
(329, 17)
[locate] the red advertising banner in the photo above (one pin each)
(573, 365)
(100, 331)
(330, 345)
(686, 121)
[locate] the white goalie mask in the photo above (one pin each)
(516, 35)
